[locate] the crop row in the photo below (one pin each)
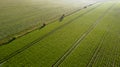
(85, 53)
(17, 18)
(109, 53)
(47, 51)
(38, 34)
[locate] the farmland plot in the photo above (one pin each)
(47, 51)
(87, 38)
(109, 54)
(21, 42)
(16, 16)
(101, 47)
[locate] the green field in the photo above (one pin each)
(88, 38)
(17, 16)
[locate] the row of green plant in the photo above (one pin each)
(48, 50)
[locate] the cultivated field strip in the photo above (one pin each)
(50, 17)
(36, 18)
(91, 40)
(11, 22)
(73, 12)
(13, 17)
(39, 39)
(55, 20)
(38, 14)
(82, 8)
(115, 58)
(95, 54)
(22, 41)
(93, 58)
(82, 55)
(60, 60)
(52, 44)
(109, 53)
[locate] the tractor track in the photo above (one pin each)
(90, 63)
(53, 19)
(116, 55)
(93, 58)
(98, 48)
(44, 36)
(76, 44)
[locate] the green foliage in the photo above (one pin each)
(100, 47)
(16, 16)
